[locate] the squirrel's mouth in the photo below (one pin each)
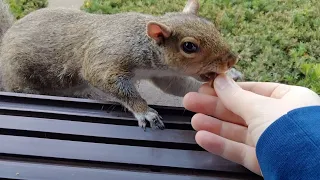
(208, 76)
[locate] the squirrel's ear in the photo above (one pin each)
(158, 31)
(192, 7)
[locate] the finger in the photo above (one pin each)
(230, 150)
(233, 132)
(210, 105)
(237, 99)
(262, 88)
(207, 89)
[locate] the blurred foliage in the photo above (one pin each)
(279, 40)
(20, 8)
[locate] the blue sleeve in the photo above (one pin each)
(289, 149)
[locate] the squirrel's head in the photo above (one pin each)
(192, 45)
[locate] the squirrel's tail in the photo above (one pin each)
(6, 18)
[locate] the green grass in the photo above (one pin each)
(279, 40)
(20, 8)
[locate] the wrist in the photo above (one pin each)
(290, 143)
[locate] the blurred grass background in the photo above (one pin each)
(20, 8)
(279, 40)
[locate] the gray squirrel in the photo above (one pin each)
(66, 52)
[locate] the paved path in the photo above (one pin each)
(150, 93)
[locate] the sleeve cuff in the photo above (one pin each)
(290, 147)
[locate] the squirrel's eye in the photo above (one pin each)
(189, 47)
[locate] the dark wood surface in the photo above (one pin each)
(57, 138)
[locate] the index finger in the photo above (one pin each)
(212, 106)
(261, 88)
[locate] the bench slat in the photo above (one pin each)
(81, 103)
(34, 171)
(96, 130)
(84, 151)
(110, 113)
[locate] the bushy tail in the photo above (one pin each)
(6, 18)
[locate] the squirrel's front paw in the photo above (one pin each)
(152, 116)
(235, 74)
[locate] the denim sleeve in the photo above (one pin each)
(289, 149)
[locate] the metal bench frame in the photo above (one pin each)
(58, 138)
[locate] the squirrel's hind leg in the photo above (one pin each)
(17, 85)
(24, 91)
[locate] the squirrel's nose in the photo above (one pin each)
(232, 59)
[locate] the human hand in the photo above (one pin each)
(231, 117)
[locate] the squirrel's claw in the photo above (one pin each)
(157, 124)
(153, 117)
(143, 124)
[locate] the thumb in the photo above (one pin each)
(243, 103)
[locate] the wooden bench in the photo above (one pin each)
(57, 138)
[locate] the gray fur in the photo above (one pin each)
(65, 52)
(6, 18)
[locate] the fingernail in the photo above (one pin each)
(223, 81)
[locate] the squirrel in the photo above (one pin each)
(67, 52)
